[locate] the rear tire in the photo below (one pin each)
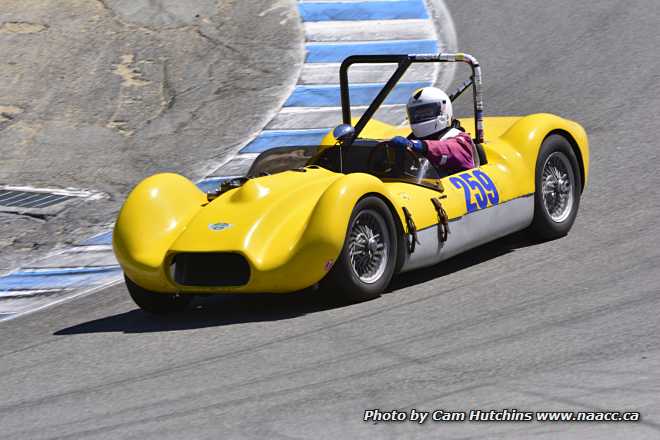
(369, 255)
(157, 303)
(558, 189)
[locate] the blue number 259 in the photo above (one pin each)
(483, 186)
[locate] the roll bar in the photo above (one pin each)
(403, 62)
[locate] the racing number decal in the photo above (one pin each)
(481, 184)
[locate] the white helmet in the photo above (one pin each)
(429, 111)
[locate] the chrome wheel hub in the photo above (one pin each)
(557, 186)
(368, 246)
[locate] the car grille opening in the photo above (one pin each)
(211, 269)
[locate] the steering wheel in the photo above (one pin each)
(386, 160)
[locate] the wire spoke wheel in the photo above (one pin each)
(368, 246)
(368, 257)
(558, 186)
(557, 183)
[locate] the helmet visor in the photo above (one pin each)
(423, 112)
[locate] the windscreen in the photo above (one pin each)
(281, 159)
(373, 157)
(379, 159)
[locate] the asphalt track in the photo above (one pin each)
(569, 324)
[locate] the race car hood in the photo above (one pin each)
(264, 219)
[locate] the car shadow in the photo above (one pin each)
(212, 311)
(221, 310)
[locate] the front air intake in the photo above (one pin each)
(211, 269)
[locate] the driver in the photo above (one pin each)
(435, 132)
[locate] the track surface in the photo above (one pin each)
(571, 323)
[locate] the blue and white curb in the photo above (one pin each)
(57, 277)
(333, 30)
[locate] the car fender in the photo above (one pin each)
(328, 224)
(527, 134)
(152, 217)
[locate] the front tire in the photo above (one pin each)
(368, 258)
(558, 189)
(157, 303)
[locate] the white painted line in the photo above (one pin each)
(328, 73)
(369, 30)
(88, 248)
(105, 258)
(65, 270)
(325, 117)
(13, 294)
(74, 294)
(71, 192)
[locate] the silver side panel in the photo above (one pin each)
(471, 230)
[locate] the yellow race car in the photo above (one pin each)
(351, 213)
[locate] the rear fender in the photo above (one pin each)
(528, 133)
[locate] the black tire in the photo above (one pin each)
(556, 151)
(157, 303)
(343, 279)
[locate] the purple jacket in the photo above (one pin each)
(453, 154)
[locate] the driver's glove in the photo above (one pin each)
(413, 144)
